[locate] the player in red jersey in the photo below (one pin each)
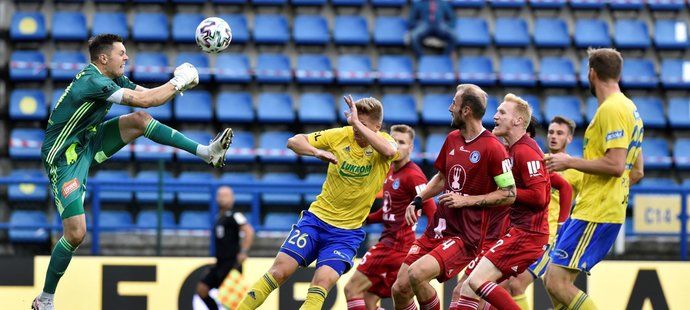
(472, 163)
(528, 236)
(379, 267)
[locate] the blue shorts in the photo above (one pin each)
(582, 244)
(538, 268)
(313, 239)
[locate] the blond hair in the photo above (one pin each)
(404, 129)
(371, 107)
(522, 108)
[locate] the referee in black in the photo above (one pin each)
(229, 228)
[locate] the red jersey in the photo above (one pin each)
(470, 168)
(399, 190)
(531, 208)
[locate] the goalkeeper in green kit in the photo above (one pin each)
(78, 137)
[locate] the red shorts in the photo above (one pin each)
(450, 252)
(381, 264)
(514, 252)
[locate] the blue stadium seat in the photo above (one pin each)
(184, 27)
(575, 147)
(672, 74)
(591, 33)
(27, 191)
(508, 3)
(511, 32)
(474, 4)
(350, 30)
(114, 196)
(229, 2)
(679, 112)
(273, 68)
(388, 3)
(194, 106)
(234, 108)
(517, 71)
(631, 34)
(238, 24)
(147, 150)
(117, 110)
(477, 70)
(111, 22)
(200, 61)
(400, 109)
(26, 143)
(242, 149)
(588, 4)
(271, 29)
(557, 72)
(395, 70)
(150, 67)
(472, 31)
(317, 108)
(665, 5)
(282, 199)
(308, 2)
(239, 177)
(638, 73)
(152, 197)
(354, 69)
(161, 112)
(681, 151)
(551, 33)
(390, 30)
(547, 4)
(148, 219)
(269, 2)
(657, 154)
(314, 69)
(273, 150)
(275, 108)
(233, 68)
(436, 70)
(313, 179)
(310, 30)
(115, 220)
(652, 110)
(591, 108)
(31, 234)
(66, 64)
(491, 108)
(650, 183)
(200, 136)
(671, 34)
(27, 66)
(195, 195)
(342, 107)
(584, 72)
(435, 109)
(434, 142)
(356, 3)
(69, 26)
(195, 220)
(124, 154)
(535, 103)
(626, 4)
(567, 106)
(281, 221)
(28, 26)
(150, 27)
(28, 104)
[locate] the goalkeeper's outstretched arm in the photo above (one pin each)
(185, 77)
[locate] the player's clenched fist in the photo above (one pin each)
(185, 77)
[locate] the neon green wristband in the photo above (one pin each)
(505, 180)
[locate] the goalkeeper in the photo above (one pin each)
(77, 137)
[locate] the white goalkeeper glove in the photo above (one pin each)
(185, 77)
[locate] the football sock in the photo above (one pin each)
(556, 305)
(411, 306)
(59, 260)
(163, 134)
(521, 301)
(453, 305)
(467, 303)
(582, 302)
(258, 293)
(315, 297)
(496, 296)
(356, 304)
(432, 304)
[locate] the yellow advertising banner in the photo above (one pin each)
(653, 213)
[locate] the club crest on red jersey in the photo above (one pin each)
(456, 178)
(396, 184)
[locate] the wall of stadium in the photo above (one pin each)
(169, 283)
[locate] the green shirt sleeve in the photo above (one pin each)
(99, 88)
(124, 82)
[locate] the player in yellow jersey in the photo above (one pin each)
(612, 149)
(331, 230)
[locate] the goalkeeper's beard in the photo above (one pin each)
(458, 123)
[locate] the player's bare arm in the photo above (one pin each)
(140, 88)
(248, 232)
(612, 164)
(433, 188)
(300, 145)
(380, 144)
(500, 197)
(637, 172)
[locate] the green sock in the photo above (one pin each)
(163, 134)
(59, 260)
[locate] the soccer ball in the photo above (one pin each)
(213, 35)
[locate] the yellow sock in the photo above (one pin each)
(258, 293)
(315, 297)
(556, 305)
(521, 300)
(582, 302)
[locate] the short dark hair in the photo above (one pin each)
(564, 121)
(102, 44)
(606, 62)
(532, 127)
(473, 97)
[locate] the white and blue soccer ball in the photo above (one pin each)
(213, 35)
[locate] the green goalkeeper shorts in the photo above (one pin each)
(68, 173)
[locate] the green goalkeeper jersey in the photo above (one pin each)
(81, 108)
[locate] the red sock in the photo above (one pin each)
(411, 306)
(356, 304)
(432, 304)
(467, 303)
(454, 305)
(497, 296)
